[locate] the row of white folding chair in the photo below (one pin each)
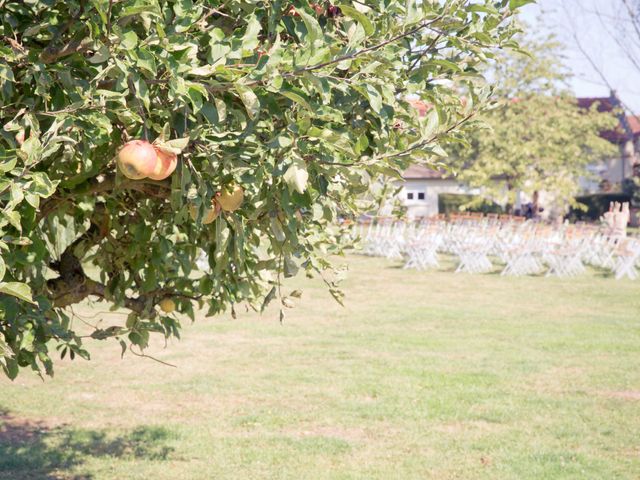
(628, 259)
(474, 242)
(422, 251)
(473, 253)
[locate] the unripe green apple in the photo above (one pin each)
(167, 305)
(230, 200)
(210, 214)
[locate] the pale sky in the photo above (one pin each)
(595, 23)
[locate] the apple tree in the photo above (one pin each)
(137, 134)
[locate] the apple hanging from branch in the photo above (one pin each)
(210, 213)
(137, 159)
(230, 198)
(165, 165)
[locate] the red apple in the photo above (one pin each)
(165, 164)
(137, 159)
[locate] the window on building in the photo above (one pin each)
(420, 195)
(409, 195)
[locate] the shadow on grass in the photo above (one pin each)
(34, 450)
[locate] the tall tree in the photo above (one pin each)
(247, 126)
(539, 139)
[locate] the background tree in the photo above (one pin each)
(303, 106)
(540, 140)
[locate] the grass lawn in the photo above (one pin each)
(422, 375)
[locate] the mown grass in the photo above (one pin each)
(421, 375)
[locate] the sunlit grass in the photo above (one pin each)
(421, 375)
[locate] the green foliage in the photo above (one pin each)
(540, 140)
(298, 108)
(453, 203)
(631, 187)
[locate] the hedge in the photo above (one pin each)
(452, 203)
(597, 204)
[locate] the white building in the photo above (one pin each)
(421, 188)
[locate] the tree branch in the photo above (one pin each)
(632, 15)
(432, 139)
(157, 189)
(425, 50)
(350, 56)
(357, 53)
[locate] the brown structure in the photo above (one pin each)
(626, 136)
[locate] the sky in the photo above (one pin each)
(594, 26)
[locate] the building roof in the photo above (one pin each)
(605, 104)
(420, 172)
(421, 106)
(629, 126)
(634, 124)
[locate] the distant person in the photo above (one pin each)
(528, 211)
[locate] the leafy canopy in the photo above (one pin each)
(540, 139)
(305, 106)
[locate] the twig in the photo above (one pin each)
(432, 139)
(373, 48)
(134, 92)
(144, 355)
(424, 51)
(109, 18)
(633, 17)
(158, 189)
(350, 56)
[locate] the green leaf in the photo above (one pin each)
(268, 299)
(358, 17)
(178, 144)
(375, 99)
(296, 98)
(6, 73)
(249, 99)
(102, 55)
(129, 40)
(3, 268)
(31, 149)
(314, 31)
(11, 368)
(203, 71)
(221, 107)
(290, 266)
(5, 349)
(430, 124)
(17, 289)
(150, 9)
(14, 219)
(280, 141)
(297, 176)
(276, 229)
(7, 163)
(146, 61)
(337, 140)
(250, 39)
(42, 184)
(514, 4)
